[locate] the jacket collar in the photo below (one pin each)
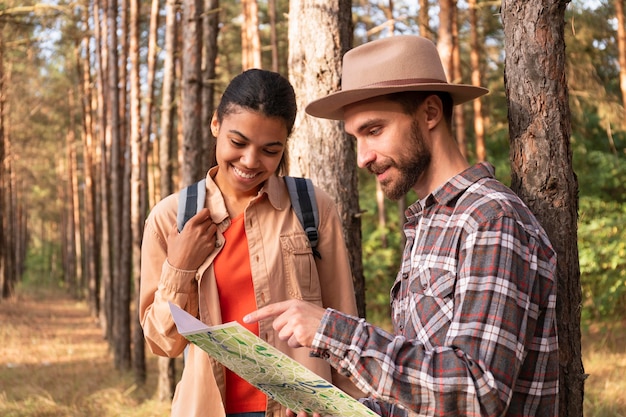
(274, 190)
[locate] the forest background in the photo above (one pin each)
(60, 190)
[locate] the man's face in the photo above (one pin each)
(390, 144)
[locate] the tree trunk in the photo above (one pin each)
(144, 180)
(83, 58)
(210, 30)
(271, 10)
(250, 40)
(10, 229)
(166, 140)
(621, 48)
(101, 195)
(64, 227)
(110, 180)
(192, 169)
(475, 53)
(424, 19)
(541, 162)
(445, 42)
(166, 383)
(122, 246)
(70, 270)
(318, 148)
(457, 77)
(136, 217)
(167, 366)
(3, 251)
(8, 285)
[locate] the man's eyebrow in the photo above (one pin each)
(247, 139)
(368, 124)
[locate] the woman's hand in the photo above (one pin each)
(301, 414)
(189, 248)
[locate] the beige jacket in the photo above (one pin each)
(283, 267)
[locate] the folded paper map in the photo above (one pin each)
(271, 371)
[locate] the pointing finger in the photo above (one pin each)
(271, 310)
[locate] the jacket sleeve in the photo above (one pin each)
(161, 283)
(334, 272)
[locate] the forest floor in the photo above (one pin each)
(54, 362)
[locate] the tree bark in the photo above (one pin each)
(167, 138)
(318, 148)
(621, 48)
(71, 258)
(424, 19)
(210, 30)
(271, 10)
(89, 235)
(192, 168)
(147, 188)
(136, 217)
(445, 42)
(457, 77)
(3, 251)
(475, 53)
(541, 162)
(104, 106)
(250, 40)
(122, 246)
(167, 366)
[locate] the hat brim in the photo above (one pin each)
(331, 106)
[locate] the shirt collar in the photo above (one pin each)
(272, 190)
(453, 187)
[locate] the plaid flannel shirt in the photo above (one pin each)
(473, 309)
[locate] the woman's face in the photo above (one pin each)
(249, 149)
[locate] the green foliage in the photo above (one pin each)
(601, 176)
(42, 266)
(381, 248)
(602, 254)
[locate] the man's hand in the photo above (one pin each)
(296, 321)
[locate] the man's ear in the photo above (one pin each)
(434, 110)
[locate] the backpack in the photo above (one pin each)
(301, 192)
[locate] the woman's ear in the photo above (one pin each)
(215, 125)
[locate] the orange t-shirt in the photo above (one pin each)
(236, 292)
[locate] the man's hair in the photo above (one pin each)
(411, 100)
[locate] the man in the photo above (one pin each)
(474, 301)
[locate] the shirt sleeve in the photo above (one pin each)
(160, 284)
(466, 345)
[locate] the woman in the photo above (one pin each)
(244, 250)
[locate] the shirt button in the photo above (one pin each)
(405, 275)
(218, 244)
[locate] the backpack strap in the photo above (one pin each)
(190, 201)
(301, 191)
(304, 204)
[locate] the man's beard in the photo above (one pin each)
(410, 166)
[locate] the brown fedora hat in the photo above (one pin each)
(390, 65)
